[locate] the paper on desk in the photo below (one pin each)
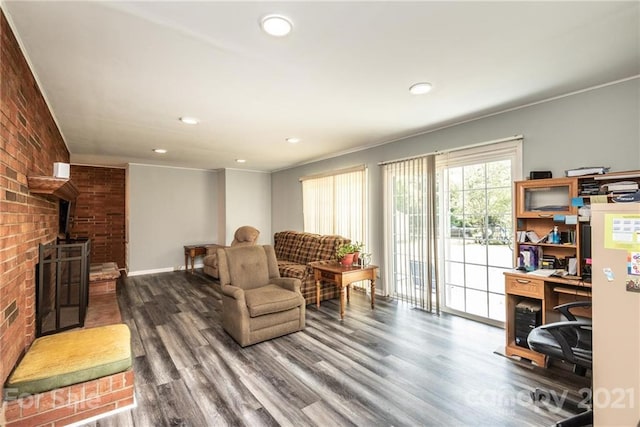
(543, 272)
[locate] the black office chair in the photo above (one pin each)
(570, 341)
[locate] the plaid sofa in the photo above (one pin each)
(295, 250)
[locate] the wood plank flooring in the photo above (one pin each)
(393, 366)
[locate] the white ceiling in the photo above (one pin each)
(118, 75)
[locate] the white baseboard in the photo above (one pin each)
(154, 271)
(162, 270)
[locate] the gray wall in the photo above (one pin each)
(168, 208)
(247, 201)
(599, 127)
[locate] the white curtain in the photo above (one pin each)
(410, 231)
(334, 203)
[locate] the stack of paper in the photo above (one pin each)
(589, 170)
(621, 186)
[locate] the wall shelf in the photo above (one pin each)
(61, 188)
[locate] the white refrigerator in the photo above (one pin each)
(615, 253)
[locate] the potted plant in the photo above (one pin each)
(357, 248)
(347, 253)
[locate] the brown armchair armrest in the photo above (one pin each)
(289, 283)
(233, 292)
(213, 249)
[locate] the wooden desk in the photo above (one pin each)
(342, 277)
(550, 291)
(191, 252)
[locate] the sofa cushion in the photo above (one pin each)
(291, 269)
(270, 299)
(328, 247)
(67, 358)
(286, 244)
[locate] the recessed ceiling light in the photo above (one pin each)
(189, 120)
(293, 140)
(420, 88)
(276, 25)
(159, 150)
(240, 160)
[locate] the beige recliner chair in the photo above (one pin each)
(244, 236)
(258, 304)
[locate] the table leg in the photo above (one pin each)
(349, 292)
(342, 295)
(318, 293)
(186, 261)
(193, 260)
(373, 293)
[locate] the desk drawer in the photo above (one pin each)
(332, 277)
(524, 286)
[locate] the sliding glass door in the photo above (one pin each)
(476, 220)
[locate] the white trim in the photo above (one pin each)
(481, 152)
(173, 167)
(154, 271)
(98, 166)
(241, 170)
(465, 147)
(162, 270)
(106, 414)
(197, 169)
(358, 168)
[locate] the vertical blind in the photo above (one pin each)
(334, 203)
(410, 231)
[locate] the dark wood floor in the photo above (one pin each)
(391, 366)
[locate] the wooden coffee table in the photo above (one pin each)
(342, 277)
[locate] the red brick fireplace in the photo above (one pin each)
(30, 143)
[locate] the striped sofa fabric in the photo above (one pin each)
(295, 250)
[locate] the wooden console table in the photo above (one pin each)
(191, 252)
(342, 277)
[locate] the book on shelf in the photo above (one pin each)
(587, 170)
(548, 262)
(533, 237)
(589, 187)
(620, 186)
(529, 257)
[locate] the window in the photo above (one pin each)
(334, 203)
(448, 228)
(475, 191)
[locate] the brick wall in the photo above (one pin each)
(67, 405)
(29, 145)
(99, 213)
